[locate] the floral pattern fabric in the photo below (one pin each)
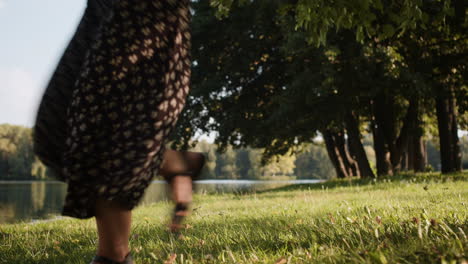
(126, 99)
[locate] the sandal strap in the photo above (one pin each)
(177, 218)
(181, 207)
(103, 260)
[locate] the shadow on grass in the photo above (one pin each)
(337, 183)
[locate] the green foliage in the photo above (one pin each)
(246, 163)
(464, 151)
(17, 160)
(433, 155)
(210, 164)
(369, 19)
(314, 163)
(258, 82)
(226, 165)
(223, 6)
(281, 166)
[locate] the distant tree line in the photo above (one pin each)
(245, 163)
(17, 161)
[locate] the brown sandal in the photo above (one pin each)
(181, 211)
(103, 260)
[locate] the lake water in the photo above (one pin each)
(32, 201)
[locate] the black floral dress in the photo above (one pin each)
(114, 99)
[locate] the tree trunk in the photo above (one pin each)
(385, 133)
(410, 129)
(406, 161)
(385, 120)
(419, 160)
(349, 162)
(410, 152)
(382, 152)
(334, 154)
(456, 153)
(443, 121)
(354, 138)
(450, 155)
(353, 156)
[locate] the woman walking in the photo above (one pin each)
(109, 108)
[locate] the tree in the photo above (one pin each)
(226, 165)
(464, 149)
(209, 151)
(313, 163)
(244, 87)
(17, 160)
(243, 163)
(429, 36)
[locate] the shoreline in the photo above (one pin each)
(54, 215)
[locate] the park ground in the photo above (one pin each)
(411, 218)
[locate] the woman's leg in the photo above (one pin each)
(113, 226)
(114, 222)
(179, 167)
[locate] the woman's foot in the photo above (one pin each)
(181, 211)
(103, 260)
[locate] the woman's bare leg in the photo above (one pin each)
(181, 189)
(113, 226)
(182, 166)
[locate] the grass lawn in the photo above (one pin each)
(404, 219)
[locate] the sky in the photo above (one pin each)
(34, 35)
